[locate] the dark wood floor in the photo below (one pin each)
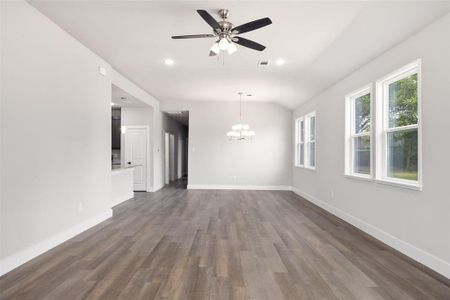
(179, 244)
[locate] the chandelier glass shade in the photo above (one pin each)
(240, 131)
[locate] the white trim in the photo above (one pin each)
(403, 183)
(238, 187)
(433, 262)
(383, 129)
(365, 177)
(122, 198)
(19, 258)
(157, 188)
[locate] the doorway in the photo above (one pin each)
(176, 127)
(136, 145)
(180, 157)
(169, 157)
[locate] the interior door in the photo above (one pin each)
(136, 156)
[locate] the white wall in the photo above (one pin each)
(214, 161)
(55, 135)
(417, 223)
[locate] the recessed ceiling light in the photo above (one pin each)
(169, 62)
(124, 100)
(112, 103)
(280, 62)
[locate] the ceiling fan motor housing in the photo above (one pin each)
(223, 13)
(225, 25)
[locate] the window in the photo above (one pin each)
(300, 142)
(398, 126)
(310, 147)
(305, 141)
(358, 144)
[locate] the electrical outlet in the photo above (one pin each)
(332, 194)
(234, 178)
(80, 206)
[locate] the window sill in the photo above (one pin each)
(359, 177)
(305, 168)
(311, 169)
(406, 185)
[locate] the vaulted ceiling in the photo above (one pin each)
(320, 43)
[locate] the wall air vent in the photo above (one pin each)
(263, 63)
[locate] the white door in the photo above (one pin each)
(166, 158)
(136, 155)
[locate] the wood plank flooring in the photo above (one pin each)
(180, 244)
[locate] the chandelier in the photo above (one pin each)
(240, 131)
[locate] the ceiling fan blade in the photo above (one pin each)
(252, 25)
(212, 53)
(208, 19)
(192, 36)
(248, 43)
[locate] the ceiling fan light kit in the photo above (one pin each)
(231, 48)
(227, 34)
(215, 48)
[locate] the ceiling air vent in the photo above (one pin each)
(263, 63)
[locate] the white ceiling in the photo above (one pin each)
(320, 41)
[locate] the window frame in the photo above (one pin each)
(308, 141)
(383, 129)
(298, 142)
(350, 134)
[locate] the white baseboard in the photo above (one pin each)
(239, 187)
(433, 262)
(157, 188)
(121, 199)
(13, 261)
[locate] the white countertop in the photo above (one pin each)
(121, 169)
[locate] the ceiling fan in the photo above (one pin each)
(227, 34)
